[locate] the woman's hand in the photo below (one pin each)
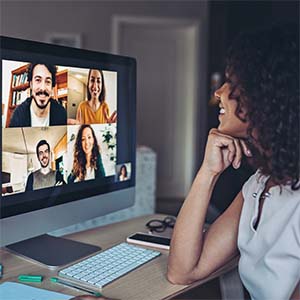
(194, 255)
(73, 122)
(222, 151)
(112, 118)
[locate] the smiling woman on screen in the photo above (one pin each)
(95, 109)
(87, 162)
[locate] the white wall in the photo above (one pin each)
(76, 94)
(92, 19)
(16, 165)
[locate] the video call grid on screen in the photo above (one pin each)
(19, 158)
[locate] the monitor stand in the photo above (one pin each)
(52, 251)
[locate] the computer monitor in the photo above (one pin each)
(68, 140)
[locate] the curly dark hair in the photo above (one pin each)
(264, 67)
(79, 162)
(51, 68)
(103, 89)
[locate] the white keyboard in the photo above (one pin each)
(107, 266)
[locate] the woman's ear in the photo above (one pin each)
(242, 113)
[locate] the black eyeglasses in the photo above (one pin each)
(161, 225)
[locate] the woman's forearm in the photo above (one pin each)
(187, 239)
(192, 254)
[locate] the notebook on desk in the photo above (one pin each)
(17, 291)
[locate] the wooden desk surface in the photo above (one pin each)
(147, 282)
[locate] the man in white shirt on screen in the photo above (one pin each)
(40, 109)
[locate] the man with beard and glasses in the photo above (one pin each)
(40, 109)
(45, 176)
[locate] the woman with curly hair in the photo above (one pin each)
(259, 119)
(87, 163)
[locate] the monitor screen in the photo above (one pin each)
(68, 126)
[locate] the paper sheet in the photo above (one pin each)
(18, 291)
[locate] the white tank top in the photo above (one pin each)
(270, 255)
(37, 121)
